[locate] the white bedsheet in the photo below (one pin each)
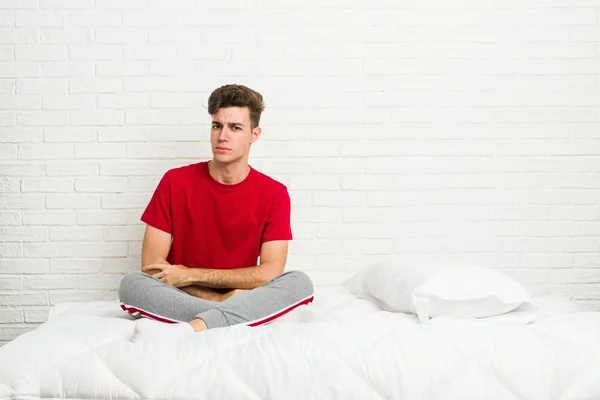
(339, 347)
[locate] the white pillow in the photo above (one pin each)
(441, 289)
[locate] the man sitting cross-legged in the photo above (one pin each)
(207, 225)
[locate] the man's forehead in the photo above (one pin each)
(232, 115)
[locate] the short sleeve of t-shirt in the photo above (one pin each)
(278, 225)
(158, 211)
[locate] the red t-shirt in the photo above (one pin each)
(214, 225)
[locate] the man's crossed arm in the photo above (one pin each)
(200, 282)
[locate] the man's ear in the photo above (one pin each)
(255, 134)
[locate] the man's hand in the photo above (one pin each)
(173, 275)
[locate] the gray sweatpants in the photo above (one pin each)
(142, 294)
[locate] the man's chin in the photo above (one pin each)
(224, 158)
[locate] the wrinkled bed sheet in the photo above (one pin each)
(338, 347)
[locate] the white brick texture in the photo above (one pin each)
(403, 130)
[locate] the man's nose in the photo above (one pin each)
(222, 134)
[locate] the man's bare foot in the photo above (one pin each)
(233, 293)
(209, 293)
(198, 325)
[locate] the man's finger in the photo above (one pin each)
(159, 275)
(150, 267)
(164, 280)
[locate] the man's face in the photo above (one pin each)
(231, 134)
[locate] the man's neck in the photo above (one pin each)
(228, 174)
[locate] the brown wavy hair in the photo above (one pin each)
(237, 96)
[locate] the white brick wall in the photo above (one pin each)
(403, 129)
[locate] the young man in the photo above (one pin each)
(207, 225)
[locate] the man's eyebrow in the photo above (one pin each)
(229, 123)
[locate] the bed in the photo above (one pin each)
(341, 346)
